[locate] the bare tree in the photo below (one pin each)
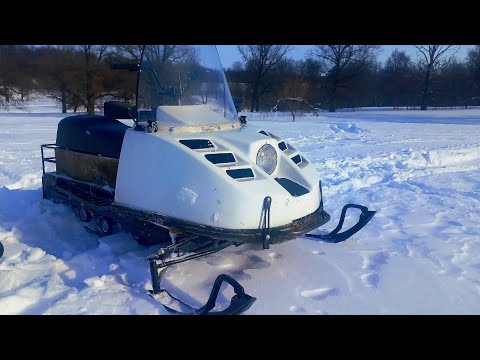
(16, 74)
(93, 54)
(430, 59)
(473, 64)
(399, 79)
(160, 53)
(341, 63)
(260, 61)
(56, 67)
(132, 52)
(398, 62)
(292, 94)
(456, 86)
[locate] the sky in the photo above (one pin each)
(229, 53)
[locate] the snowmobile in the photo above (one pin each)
(189, 173)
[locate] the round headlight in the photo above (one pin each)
(267, 158)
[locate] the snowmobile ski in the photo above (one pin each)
(335, 237)
(239, 303)
(159, 263)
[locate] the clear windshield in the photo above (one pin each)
(183, 85)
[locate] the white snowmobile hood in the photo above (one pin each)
(179, 174)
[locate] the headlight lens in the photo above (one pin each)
(267, 158)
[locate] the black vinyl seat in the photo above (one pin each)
(91, 134)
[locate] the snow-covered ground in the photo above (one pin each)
(420, 254)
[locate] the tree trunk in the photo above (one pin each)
(64, 102)
(426, 91)
(254, 105)
(90, 106)
(333, 96)
(332, 107)
(88, 85)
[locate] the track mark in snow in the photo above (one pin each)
(296, 309)
(372, 262)
(319, 294)
(370, 279)
(235, 264)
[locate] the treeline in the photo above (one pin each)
(77, 76)
(350, 76)
(329, 78)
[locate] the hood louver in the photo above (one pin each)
(297, 159)
(221, 158)
(292, 187)
(241, 174)
(198, 144)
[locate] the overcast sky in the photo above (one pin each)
(229, 53)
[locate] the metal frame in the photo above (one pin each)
(52, 160)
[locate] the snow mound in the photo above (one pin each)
(27, 181)
(347, 128)
(319, 294)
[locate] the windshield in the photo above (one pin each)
(183, 85)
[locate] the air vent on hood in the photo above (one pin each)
(292, 187)
(282, 146)
(241, 173)
(297, 159)
(198, 144)
(221, 158)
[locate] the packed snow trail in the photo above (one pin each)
(420, 254)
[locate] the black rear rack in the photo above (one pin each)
(51, 159)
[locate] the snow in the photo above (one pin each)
(187, 196)
(420, 254)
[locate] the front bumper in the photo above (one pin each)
(278, 234)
